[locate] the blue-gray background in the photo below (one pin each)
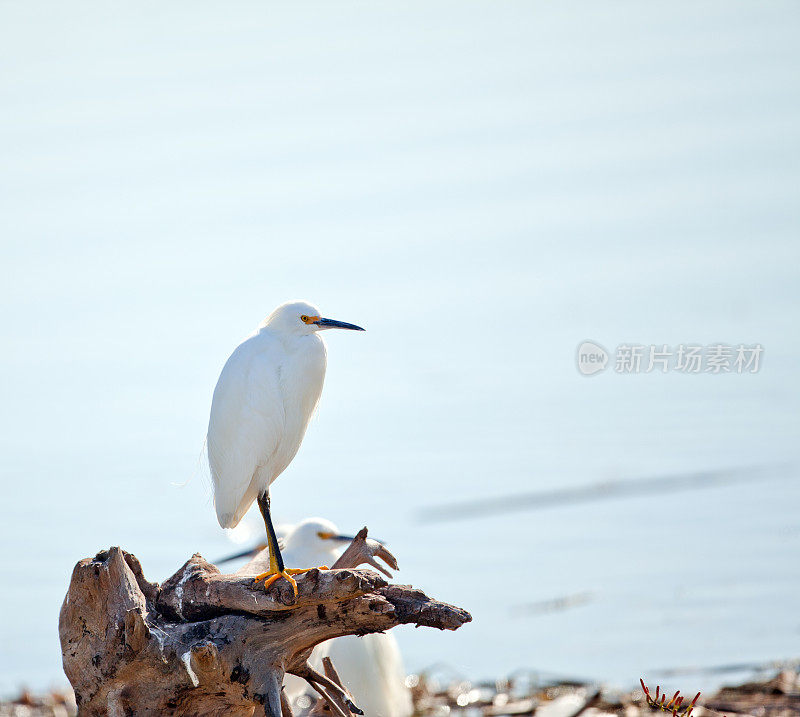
(483, 185)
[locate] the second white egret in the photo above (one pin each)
(370, 667)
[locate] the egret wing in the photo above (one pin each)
(246, 424)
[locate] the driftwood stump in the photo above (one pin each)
(204, 643)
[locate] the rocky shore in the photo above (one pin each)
(777, 696)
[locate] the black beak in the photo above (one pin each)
(350, 539)
(343, 538)
(334, 324)
(244, 554)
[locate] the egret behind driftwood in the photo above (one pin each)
(370, 667)
(263, 401)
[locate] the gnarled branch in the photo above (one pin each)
(214, 644)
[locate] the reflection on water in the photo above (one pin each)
(483, 187)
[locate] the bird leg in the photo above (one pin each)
(277, 569)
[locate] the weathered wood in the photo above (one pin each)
(364, 550)
(204, 643)
(321, 708)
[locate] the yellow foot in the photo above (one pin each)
(273, 575)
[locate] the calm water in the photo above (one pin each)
(481, 185)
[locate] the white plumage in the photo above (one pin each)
(262, 404)
(371, 667)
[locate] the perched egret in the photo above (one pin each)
(371, 667)
(263, 401)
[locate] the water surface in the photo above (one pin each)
(481, 185)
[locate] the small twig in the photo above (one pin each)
(339, 692)
(329, 700)
(333, 676)
(286, 708)
(364, 550)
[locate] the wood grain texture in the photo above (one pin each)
(204, 643)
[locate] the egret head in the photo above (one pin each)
(316, 533)
(299, 317)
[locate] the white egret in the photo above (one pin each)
(263, 401)
(371, 667)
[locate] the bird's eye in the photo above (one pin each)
(304, 319)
